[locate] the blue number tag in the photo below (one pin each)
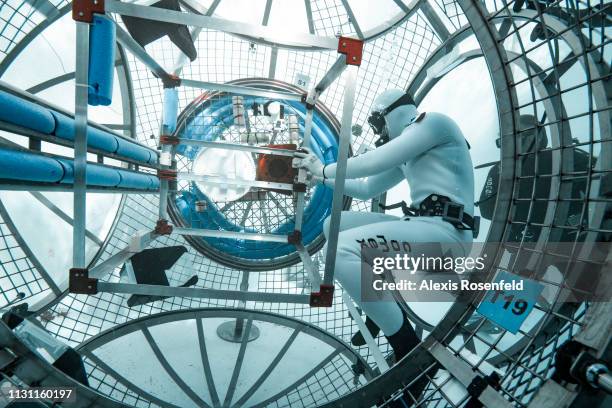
(510, 308)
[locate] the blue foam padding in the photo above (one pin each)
(154, 182)
(170, 109)
(138, 181)
(18, 111)
(25, 166)
(17, 165)
(104, 141)
(96, 138)
(134, 151)
(102, 36)
(95, 176)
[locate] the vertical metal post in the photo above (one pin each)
(234, 330)
(299, 207)
(244, 286)
(163, 192)
(80, 144)
(343, 150)
(166, 160)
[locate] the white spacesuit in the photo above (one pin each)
(430, 152)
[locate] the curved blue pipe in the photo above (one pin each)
(207, 124)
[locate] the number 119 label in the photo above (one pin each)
(510, 308)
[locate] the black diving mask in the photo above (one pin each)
(376, 120)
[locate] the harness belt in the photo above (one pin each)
(439, 205)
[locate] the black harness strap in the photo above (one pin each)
(442, 206)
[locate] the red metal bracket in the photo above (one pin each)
(295, 237)
(167, 174)
(80, 282)
(171, 81)
(169, 140)
(83, 10)
(324, 297)
(163, 228)
(352, 48)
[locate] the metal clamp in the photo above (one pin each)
(574, 363)
(324, 297)
(169, 140)
(309, 103)
(162, 227)
(299, 187)
(167, 174)
(83, 10)
(295, 237)
(79, 282)
(477, 386)
(170, 81)
(352, 48)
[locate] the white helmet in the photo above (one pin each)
(391, 112)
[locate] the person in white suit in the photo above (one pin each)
(430, 152)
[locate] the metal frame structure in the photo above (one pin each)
(350, 51)
(268, 88)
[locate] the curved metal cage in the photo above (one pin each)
(547, 64)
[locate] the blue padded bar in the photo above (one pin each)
(104, 141)
(96, 175)
(138, 181)
(96, 138)
(24, 166)
(134, 151)
(18, 111)
(111, 177)
(170, 110)
(102, 36)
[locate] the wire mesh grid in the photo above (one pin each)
(75, 318)
(330, 18)
(332, 374)
(20, 278)
(18, 18)
(453, 13)
(101, 380)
